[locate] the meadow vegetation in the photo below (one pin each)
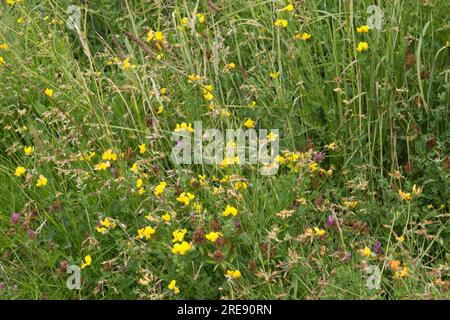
(87, 115)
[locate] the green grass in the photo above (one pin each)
(385, 108)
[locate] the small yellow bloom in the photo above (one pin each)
(42, 181)
(4, 46)
(109, 155)
(126, 64)
(319, 232)
(213, 236)
(194, 78)
(159, 189)
(172, 284)
(184, 21)
(274, 75)
(362, 46)
(362, 29)
(184, 127)
(159, 36)
(230, 66)
(181, 248)
(249, 123)
(178, 235)
(233, 274)
(146, 233)
(313, 167)
(160, 110)
(185, 197)
(87, 261)
(49, 92)
(20, 171)
(366, 252)
(404, 273)
(240, 185)
(200, 17)
(102, 166)
(280, 23)
(28, 150)
(400, 239)
(166, 217)
(139, 183)
(405, 196)
(302, 36)
(142, 148)
(230, 210)
(288, 8)
(2, 61)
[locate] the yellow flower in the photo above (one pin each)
(271, 137)
(49, 92)
(351, 204)
(105, 225)
(134, 168)
(4, 46)
(400, 239)
(366, 252)
(403, 273)
(405, 196)
(249, 123)
(173, 286)
(87, 261)
(302, 36)
(240, 185)
(42, 181)
(185, 198)
(362, 29)
(194, 78)
(20, 171)
(200, 17)
(274, 75)
(166, 217)
(319, 232)
(178, 235)
(109, 155)
(233, 274)
(212, 236)
(230, 210)
(141, 191)
(280, 23)
(126, 65)
(160, 110)
(184, 127)
(87, 156)
(181, 248)
(313, 167)
(159, 189)
(288, 8)
(184, 21)
(139, 183)
(362, 46)
(142, 148)
(197, 207)
(207, 92)
(331, 146)
(159, 36)
(28, 150)
(230, 66)
(146, 233)
(102, 166)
